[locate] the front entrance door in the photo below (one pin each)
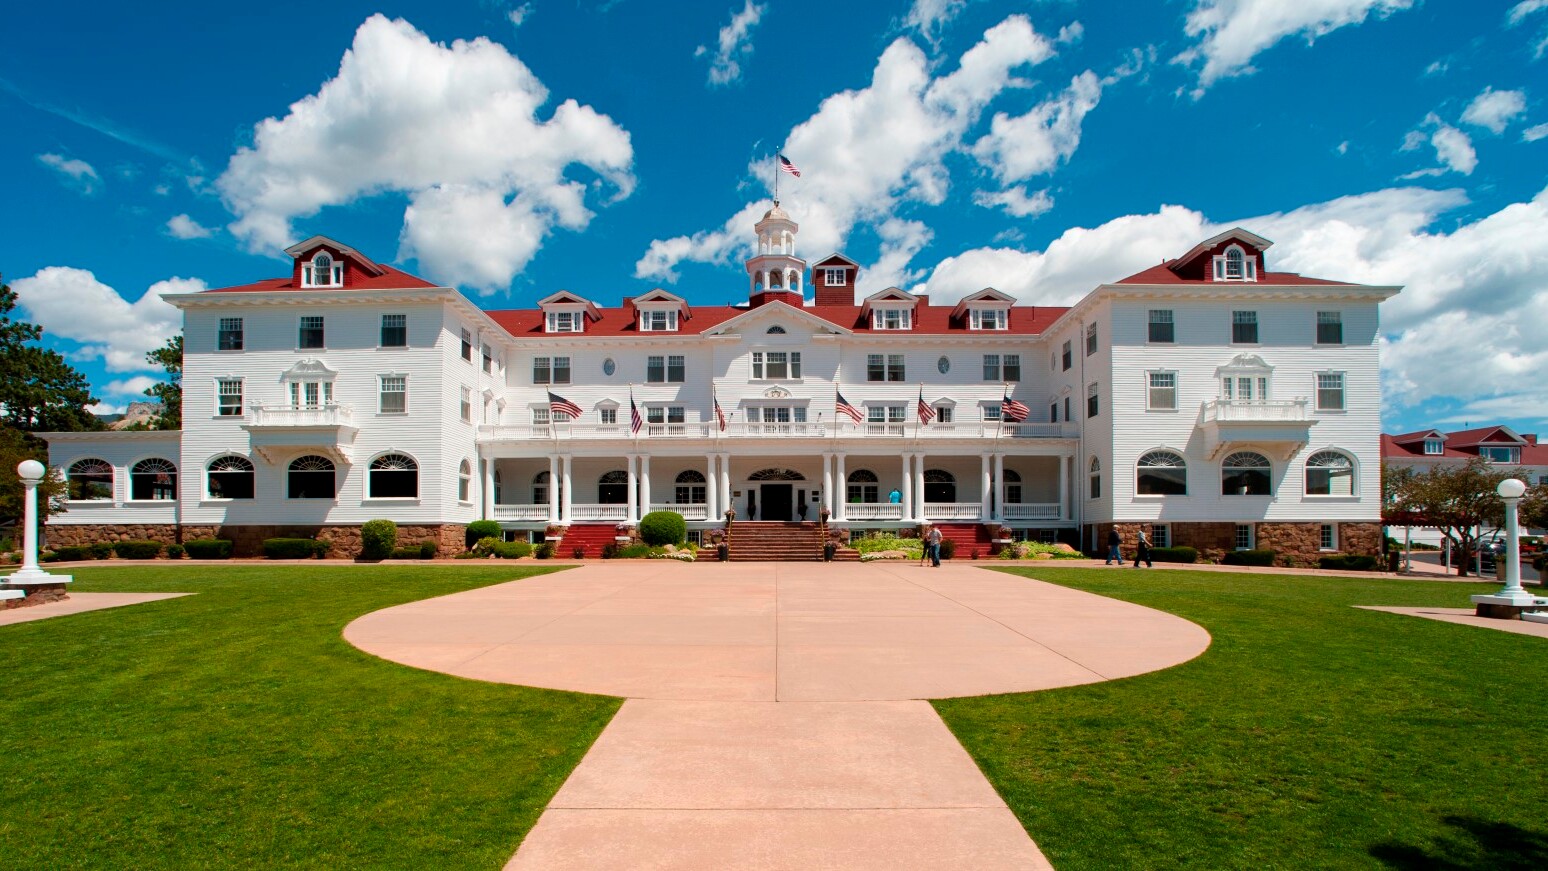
(776, 502)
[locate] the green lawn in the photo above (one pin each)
(236, 728)
(1310, 735)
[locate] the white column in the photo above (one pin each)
(725, 483)
(841, 512)
(644, 484)
(919, 493)
(1064, 487)
(908, 486)
(711, 489)
(488, 494)
(827, 485)
(553, 488)
(630, 503)
(567, 510)
(983, 489)
(999, 487)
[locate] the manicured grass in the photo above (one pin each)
(1311, 734)
(236, 728)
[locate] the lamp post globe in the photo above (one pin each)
(30, 470)
(1511, 488)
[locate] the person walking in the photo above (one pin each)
(924, 546)
(935, 546)
(1114, 542)
(1142, 552)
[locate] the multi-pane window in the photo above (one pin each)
(1500, 454)
(665, 369)
(1067, 415)
(891, 318)
(690, 488)
(1092, 401)
(1434, 446)
(658, 321)
(90, 480)
(989, 319)
(228, 397)
(1162, 329)
(1095, 475)
(993, 411)
(833, 277)
(393, 476)
(862, 487)
(1091, 339)
(1244, 388)
(664, 415)
(323, 271)
(1162, 473)
(1244, 327)
(464, 481)
(1330, 391)
(311, 332)
(1235, 265)
(884, 367)
(311, 477)
(1160, 535)
(1053, 412)
(1243, 539)
(488, 360)
(564, 322)
(1328, 537)
(1002, 367)
(1329, 473)
(229, 337)
(884, 418)
(311, 394)
(1067, 357)
(550, 370)
(1330, 328)
(394, 394)
(943, 413)
(1162, 393)
(394, 331)
(153, 480)
(608, 415)
(1246, 473)
(465, 406)
(230, 477)
(467, 346)
(771, 365)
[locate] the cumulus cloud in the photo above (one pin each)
(1494, 110)
(865, 152)
(1535, 132)
(72, 304)
(184, 227)
(73, 173)
(1070, 33)
(930, 17)
(1016, 202)
(135, 386)
(456, 128)
(734, 45)
(1523, 11)
(1230, 33)
(518, 16)
(1453, 148)
(1033, 144)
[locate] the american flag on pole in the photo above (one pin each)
(842, 406)
(635, 421)
(786, 166)
(1013, 411)
(559, 405)
(926, 413)
(720, 416)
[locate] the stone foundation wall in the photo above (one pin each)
(1297, 544)
(1212, 540)
(73, 535)
(248, 539)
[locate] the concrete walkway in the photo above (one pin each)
(775, 715)
(80, 603)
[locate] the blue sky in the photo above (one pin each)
(513, 149)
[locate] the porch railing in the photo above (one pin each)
(873, 511)
(578, 431)
(689, 511)
(1032, 511)
(521, 512)
(953, 510)
(592, 511)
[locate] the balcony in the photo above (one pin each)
(279, 432)
(809, 430)
(1284, 426)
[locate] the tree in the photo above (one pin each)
(169, 392)
(39, 391)
(1532, 510)
(16, 446)
(1457, 500)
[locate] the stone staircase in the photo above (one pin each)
(774, 541)
(591, 536)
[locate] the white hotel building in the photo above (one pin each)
(1207, 399)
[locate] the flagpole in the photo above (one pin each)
(776, 178)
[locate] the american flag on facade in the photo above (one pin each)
(926, 413)
(842, 406)
(1013, 411)
(786, 166)
(720, 415)
(559, 405)
(635, 421)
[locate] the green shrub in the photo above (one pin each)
(1174, 554)
(663, 527)
(487, 545)
(174, 551)
(1539, 561)
(48, 556)
(428, 549)
(873, 543)
(101, 550)
(948, 548)
(479, 530)
(378, 539)
(544, 550)
(208, 548)
(513, 550)
(73, 553)
(1248, 558)
(405, 553)
(610, 550)
(1347, 562)
(137, 549)
(634, 551)
(293, 548)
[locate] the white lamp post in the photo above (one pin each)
(1510, 490)
(31, 472)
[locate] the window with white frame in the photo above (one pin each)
(153, 480)
(1012, 485)
(488, 360)
(665, 415)
(564, 322)
(541, 415)
(1160, 535)
(230, 337)
(1091, 339)
(394, 395)
(608, 415)
(1246, 473)
(1162, 328)
(1244, 536)
(464, 482)
(467, 346)
(311, 477)
(665, 369)
(1095, 474)
(1244, 388)
(776, 414)
(658, 321)
(1330, 391)
(323, 271)
(1500, 454)
(1244, 327)
(311, 394)
(884, 418)
(393, 476)
(891, 318)
(690, 488)
(1434, 447)
(550, 370)
(1067, 414)
(833, 277)
(394, 331)
(311, 332)
(989, 319)
(944, 412)
(1161, 393)
(1067, 357)
(1330, 328)
(228, 393)
(465, 405)
(1329, 473)
(862, 487)
(1093, 403)
(89, 481)
(1162, 473)
(994, 411)
(884, 367)
(1002, 367)
(1235, 265)
(1328, 537)
(776, 365)
(230, 477)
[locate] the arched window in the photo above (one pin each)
(323, 271)
(465, 481)
(775, 330)
(1329, 473)
(1245, 473)
(776, 475)
(90, 481)
(613, 488)
(939, 486)
(153, 480)
(540, 483)
(394, 476)
(690, 488)
(312, 477)
(230, 477)
(1012, 487)
(1095, 473)
(498, 486)
(862, 487)
(1162, 473)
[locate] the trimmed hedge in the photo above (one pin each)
(544, 550)
(663, 527)
(208, 548)
(513, 549)
(137, 549)
(294, 548)
(1347, 562)
(174, 551)
(101, 550)
(480, 529)
(1248, 558)
(428, 549)
(405, 553)
(378, 539)
(1174, 554)
(73, 553)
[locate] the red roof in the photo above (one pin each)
(1162, 274)
(1410, 445)
(390, 279)
(928, 320)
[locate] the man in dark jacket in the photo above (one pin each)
(1114, 540)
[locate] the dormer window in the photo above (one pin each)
(565, 322)
(1235, 265)
(833, 277)
(659, 321)
(988, 319)
(323, 271)
(891, 319)
(1500, 454)
(1434, 447)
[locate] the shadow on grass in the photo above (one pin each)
(1473, 845)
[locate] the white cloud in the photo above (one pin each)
(73, 172)
(1453, 148)
(1033, 144)
(1494, 110)
(1534, 133)
(1016, 202)
(930, 17)
(1436, 68)
(1521, 12)
(135, 386)
(1070, 33)
(104, 408)
(456, 128)
(1342, 148)
(1230, 33)
(184, 227)
(519, 15)
(734, 45)
(900, 241)
(864, 152)
(72, 304)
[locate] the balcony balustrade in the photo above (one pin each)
(332, 414)
(1245, 411)
(873, 511)
(689, 511)
(1032, 511)
(521, 512)
(577, 431)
